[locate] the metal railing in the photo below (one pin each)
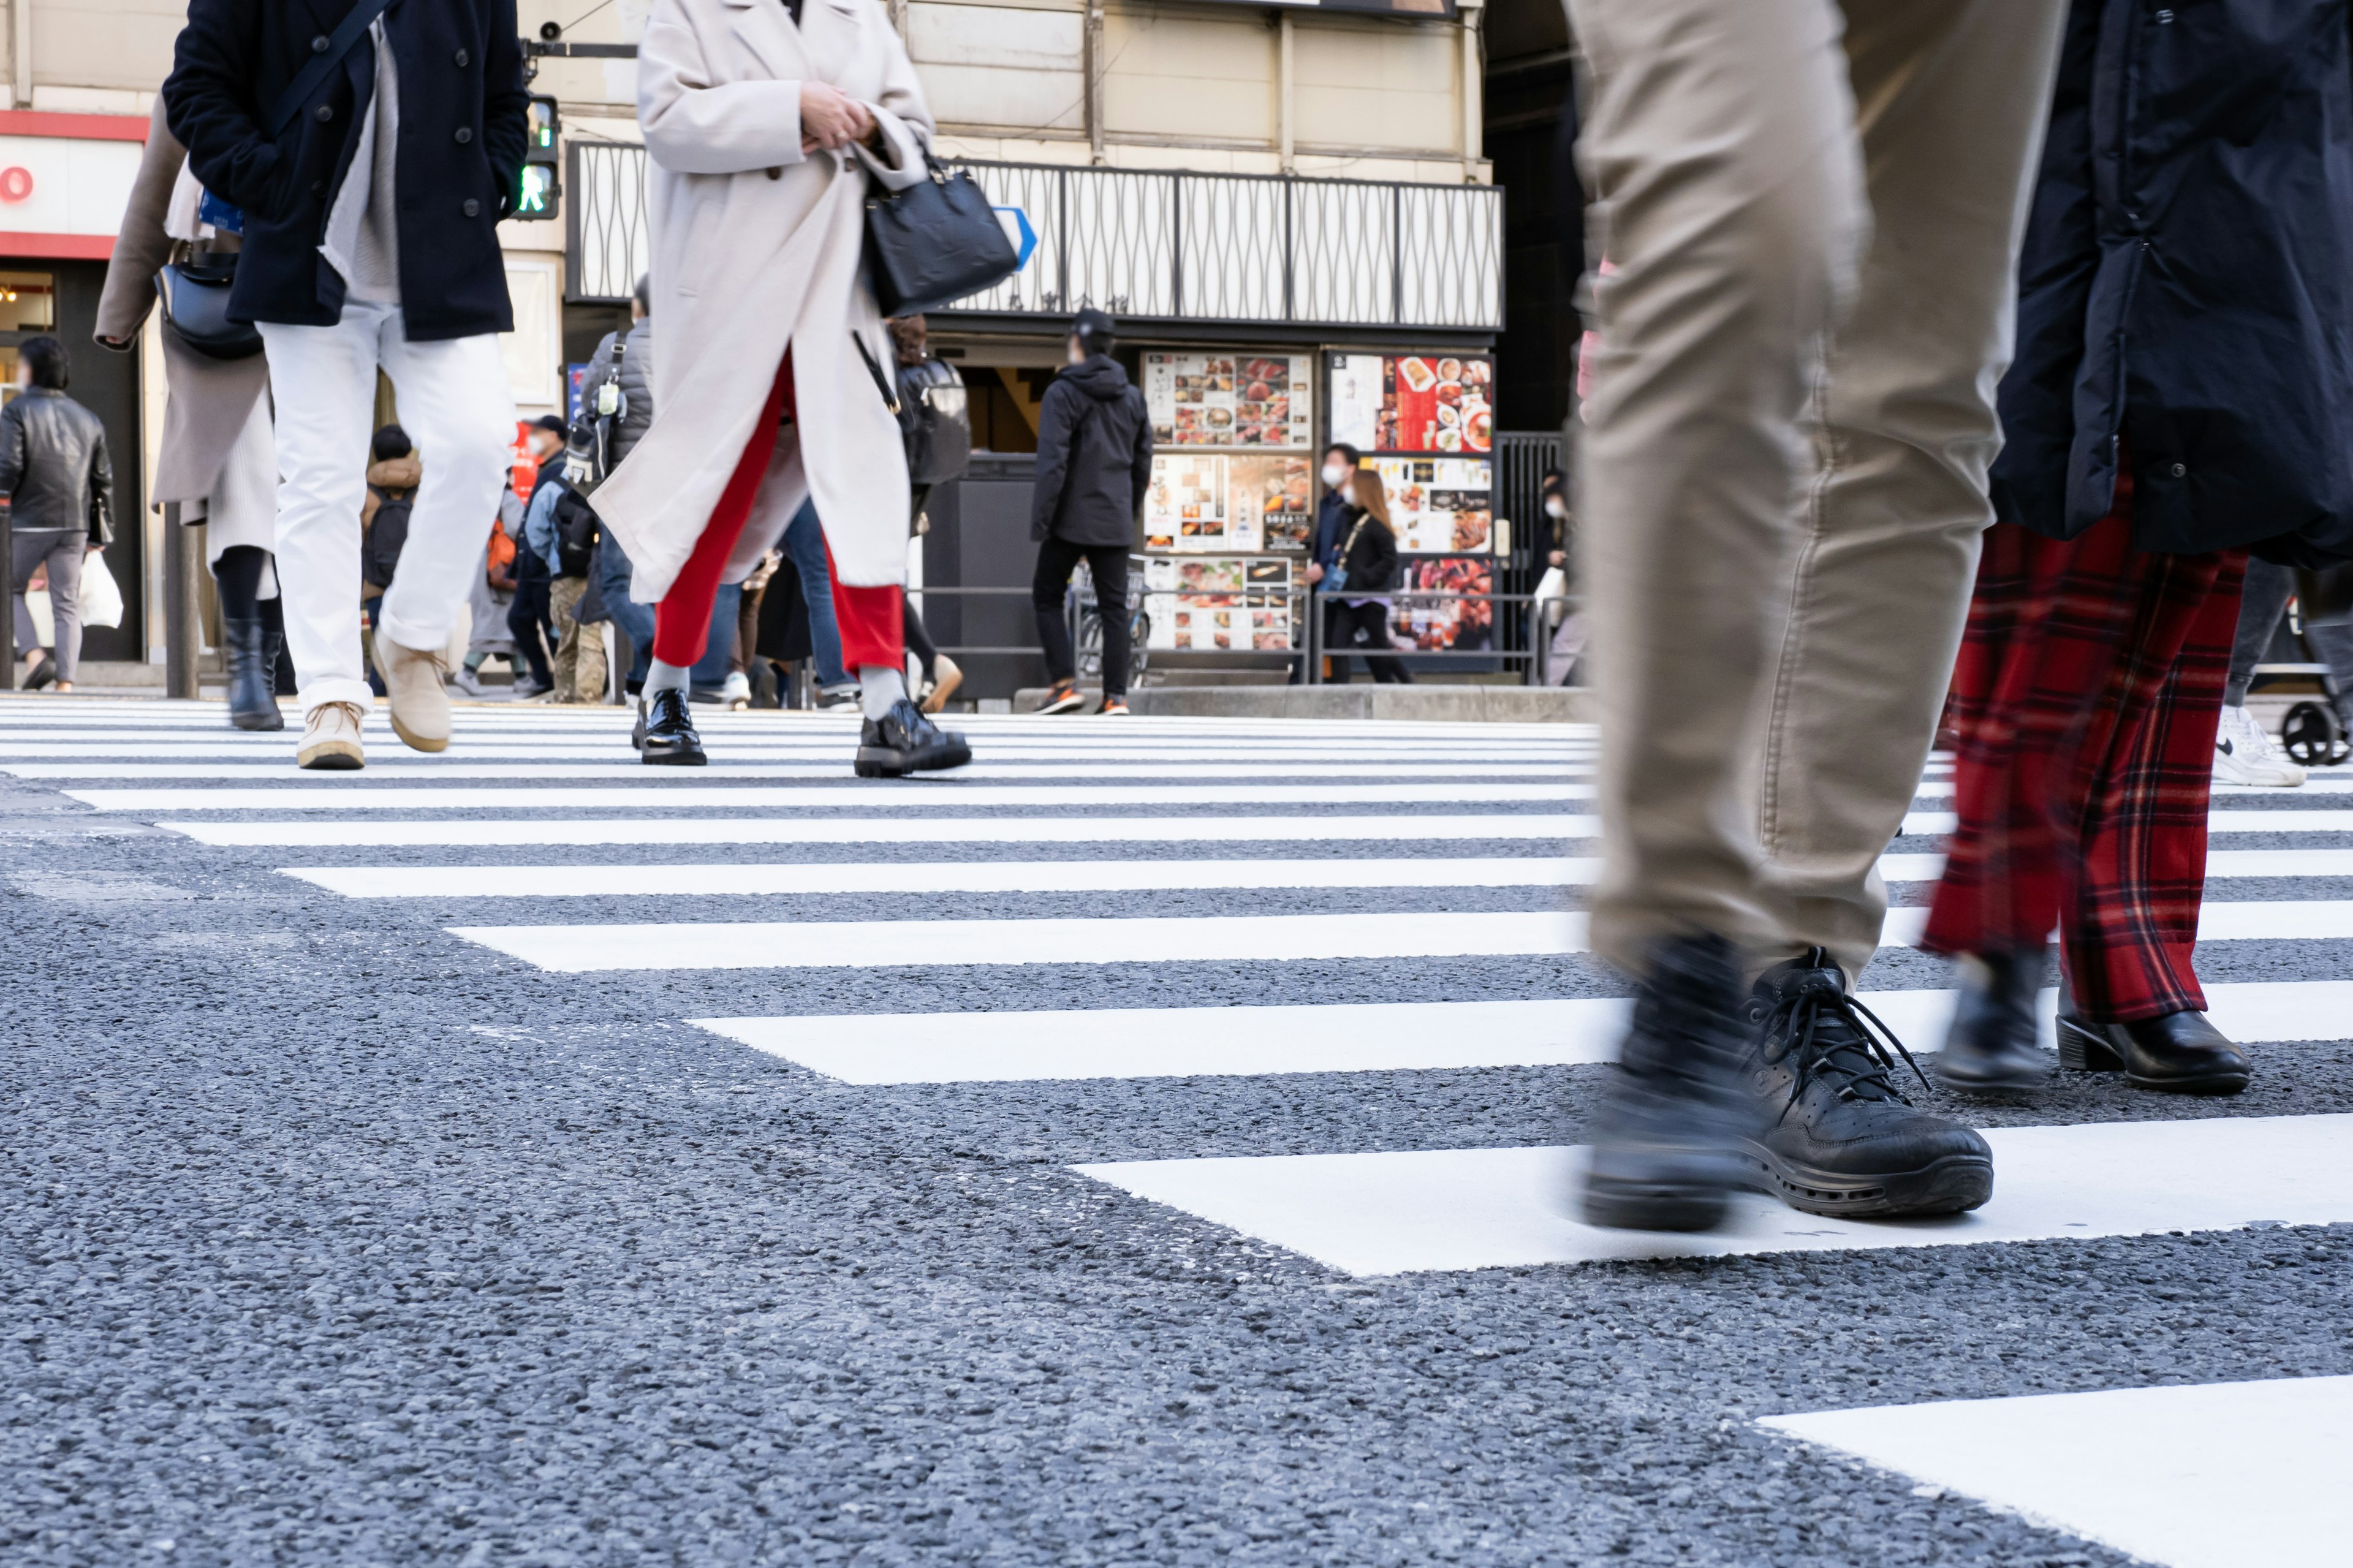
(1154, 245)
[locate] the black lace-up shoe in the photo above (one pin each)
(904, 741)
(670, 738)
(1665, 1143)
(1992, 1049)
(1838, 1136)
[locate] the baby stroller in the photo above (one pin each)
(2297, 674)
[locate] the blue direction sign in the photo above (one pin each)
(1017, 231)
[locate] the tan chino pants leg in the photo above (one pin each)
(1728, 154)
(1952, 100)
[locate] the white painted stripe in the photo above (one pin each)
(1397, 1212)
(836, 767)
(1380, 1037)
(273, 751)
(737, 878)
(2218, 1475)
(582, 832)
(924, 794)
(796, 944)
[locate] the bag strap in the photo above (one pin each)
(890, 393)
(324, 64)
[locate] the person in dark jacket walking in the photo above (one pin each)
(1094, 464)
(1340, 461)
(625, 360)
(60, 485)
(1364, 562)
(346, 277)
(2192, 240)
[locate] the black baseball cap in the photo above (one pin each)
(1095, 329)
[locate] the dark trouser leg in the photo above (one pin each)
(1109, 564)
(525, 617)
(1338, 631)
(918, 639)
(1374, 619)
(747, 630)
(2264, 601)
(237, 577)
(1047, 587)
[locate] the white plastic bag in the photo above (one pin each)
(1552, 592)
(101, 597)
(45, 625)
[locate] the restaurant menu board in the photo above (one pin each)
(1227, 400)
(1216, 502)
(1461, 625)
(1219, 604)
(1413, 402)
(1440, 506)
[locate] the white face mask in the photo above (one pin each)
(1553, 507)
(1335, 475)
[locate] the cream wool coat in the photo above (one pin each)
(756, 246)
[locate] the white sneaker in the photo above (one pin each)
(838, 698)
(2244, 754)
(736, 691)
(471, 682)
(331, 738)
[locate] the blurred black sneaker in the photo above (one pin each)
(904, 741)
(1837, 1136)
(670, 738)
(1665, 1151)
(1993, 1048)
(1066, 698)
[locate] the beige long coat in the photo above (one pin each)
(209, 400)
(756, 246)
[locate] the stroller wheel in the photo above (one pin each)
(2312, 736)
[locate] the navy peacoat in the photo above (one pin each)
(2185, 291)
(462, 113)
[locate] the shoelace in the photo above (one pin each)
(1817, 999)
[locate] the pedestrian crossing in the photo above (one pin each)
(1333, 852)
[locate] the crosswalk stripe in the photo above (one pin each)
(1421, 1211)
(566, 749)
(1163, 939)
(1370, 1036)
(908, 794)
(586, 832)
(835, 768)
(2222, 1475)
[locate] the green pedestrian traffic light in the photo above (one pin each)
(536, 186)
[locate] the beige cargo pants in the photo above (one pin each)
(1812, 213)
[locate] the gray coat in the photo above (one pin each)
(209, 400)
(636, 387)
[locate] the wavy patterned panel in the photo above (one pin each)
(605, 215)
(1232, 248)
(1344, 267)
(1123, 240)
(1450, 251)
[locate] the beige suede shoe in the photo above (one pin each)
(420, 702)
(331, 738)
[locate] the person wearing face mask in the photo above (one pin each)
(1094, 465)
(1332, 513)
(1364, 569)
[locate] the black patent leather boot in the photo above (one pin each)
(2179, 1052)
(670, 732)
(1992, 1048)
(252, 653)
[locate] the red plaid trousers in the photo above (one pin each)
(2085, 699)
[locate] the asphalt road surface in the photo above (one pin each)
(1151, 1148)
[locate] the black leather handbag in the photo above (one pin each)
(194, 294)
(933, 243)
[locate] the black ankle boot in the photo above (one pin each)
(670, 732)
(252, 652)
(2180, 1053)
(1992, 1047)
(904, 741)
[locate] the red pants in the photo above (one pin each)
(2085, 699)
(871, 631)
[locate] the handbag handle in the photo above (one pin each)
(890, 396)
(322, 65)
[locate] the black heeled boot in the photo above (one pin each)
(2179, 1052)
(252, 651)
(1992, 1047)
(670, 732)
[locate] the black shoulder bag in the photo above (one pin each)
(934, 242)
(194, 293)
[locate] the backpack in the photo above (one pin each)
(936, 422)
(385, 536)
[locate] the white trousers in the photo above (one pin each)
(455, 406)
(242, 511)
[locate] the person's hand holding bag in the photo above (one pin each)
(831, 119)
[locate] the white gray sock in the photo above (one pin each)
(878, 686)
(660, 677)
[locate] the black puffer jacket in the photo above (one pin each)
(2186, 293)
(53, 466)
(1094, 456)
(1368, 554)
(636, 387)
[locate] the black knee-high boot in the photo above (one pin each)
(252, 660)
